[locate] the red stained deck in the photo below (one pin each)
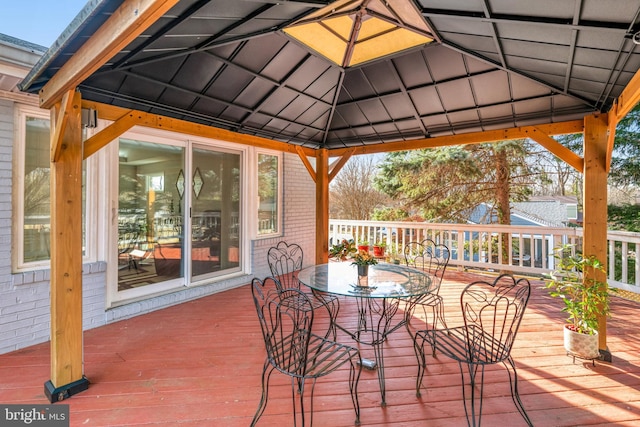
(200, 364)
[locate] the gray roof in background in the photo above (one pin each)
(500, 64)
(551, 210)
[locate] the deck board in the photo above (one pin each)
(199, 364)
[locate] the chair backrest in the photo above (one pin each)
(429, 257)
(442, 254)
(286, 326)
(492, 314)
(285, 261)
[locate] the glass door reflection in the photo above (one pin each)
(215, 208)
(150, 214)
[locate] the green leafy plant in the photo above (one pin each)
(363, 258)
(575, 282)
(343, 250)
(381, 244)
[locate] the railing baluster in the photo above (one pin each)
(471, 245)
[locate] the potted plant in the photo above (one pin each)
(363, 245)
(580, 282)
(378, 249)
(363, 259)
(341, 251)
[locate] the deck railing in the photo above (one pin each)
(531, 249)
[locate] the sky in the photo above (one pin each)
(37, 21)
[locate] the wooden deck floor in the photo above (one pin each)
(200, 363)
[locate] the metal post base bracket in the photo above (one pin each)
(64, 392)
(368, 364)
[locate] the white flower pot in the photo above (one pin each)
(580, 345)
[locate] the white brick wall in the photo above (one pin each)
(24, 297)
(299, 216)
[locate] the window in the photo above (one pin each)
(32, 224)
(268, 194)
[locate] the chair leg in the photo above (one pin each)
(470, 406)
(266, 374)
(333, 307)
(515, 395)
(354, 376)
(439, 314)
(297, 399)
(422, 361)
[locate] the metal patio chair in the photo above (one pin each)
(433, 258)
(286, 319)
(492, 313)
(285, 261)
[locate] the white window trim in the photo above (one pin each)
(255, 197)
(21, 112)
(115, 297)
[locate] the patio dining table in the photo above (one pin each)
(378, 296)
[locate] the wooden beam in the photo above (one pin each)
(340, 163)
(559, 150)
(66, 257)
(108, 112)
(575, 126)
(124, 25)
(61, 111)
(322, 206)
(595, 200)
(305, 161)
(108, 134)
(628, 99)
(611, 139)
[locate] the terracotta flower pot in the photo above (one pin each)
(363, 248)
(584, 346)
(378, 251)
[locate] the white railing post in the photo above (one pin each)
(623, 265)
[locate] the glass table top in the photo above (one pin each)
(383, 280)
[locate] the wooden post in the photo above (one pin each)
(67, 376)
(322, 206)
(595, 203)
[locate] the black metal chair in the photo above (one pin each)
(433, 258)
(285, 261)
(492, 313)
(286, 318)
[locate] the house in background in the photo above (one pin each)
(541, 211)
(538, 211)
(553, 211)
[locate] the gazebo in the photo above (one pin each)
(329, 79)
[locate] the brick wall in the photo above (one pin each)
(24, 297)
(299, 216)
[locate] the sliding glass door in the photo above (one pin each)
(178, 215)
(150, 213)
(215, 211)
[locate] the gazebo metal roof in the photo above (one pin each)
(495, 64)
